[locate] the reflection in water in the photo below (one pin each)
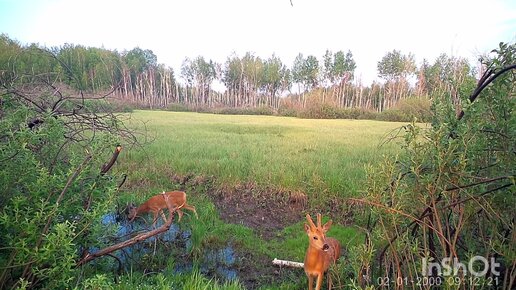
(219, 262)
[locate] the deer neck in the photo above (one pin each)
(143, 208)
(315, 260)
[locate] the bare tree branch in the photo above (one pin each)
(484, 81)
(107, 166)
(138, 238)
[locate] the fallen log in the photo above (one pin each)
(284, 263)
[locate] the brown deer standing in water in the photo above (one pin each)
(157, 203)
(322, 252)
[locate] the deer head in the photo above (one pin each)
(317, 234)
(131, 211)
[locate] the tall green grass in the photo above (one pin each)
(313, 156)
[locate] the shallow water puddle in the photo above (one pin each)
(219, 262)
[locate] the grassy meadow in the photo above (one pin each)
(320, 158)
(313, 156)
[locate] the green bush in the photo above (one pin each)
(357, 113)
(178, 107)
(450, 192)
(262, 110)
(328, 111)
(45, 181)
(319, 111)
(407, 110)
(393, 115)
(287, 112)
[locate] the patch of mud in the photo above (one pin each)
(266, 211)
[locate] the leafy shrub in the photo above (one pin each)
(357, 113)
(319, 111)
(450, 193)
(262, 110)
(55, 207)
(393, 115)
(178, 107)
(408, 109)
(287, 112)
(288, 108)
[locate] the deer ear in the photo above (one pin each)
(130, 207)
(327, 226)
(307, 228)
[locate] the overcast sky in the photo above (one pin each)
(214, 29)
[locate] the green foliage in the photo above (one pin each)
(88, 69)
(450, 192)
(159, 282)
(405, 111)
(98, 282)
(135, 78)
(306, 71)
(200, 73)
(44, 221)
(287, 112)
(338, 65)
(85, 69)
(140, 60)
(197, 281)
(177, 107)
(108, 106)
(245, 76)
(263, 110)
(408, 110)
(275, 77)
(395, 65)
(453, 75)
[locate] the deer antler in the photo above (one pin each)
(310, 221)
(319, 221)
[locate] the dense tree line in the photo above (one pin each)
(136, 77)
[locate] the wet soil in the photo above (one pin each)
(267, 212)
(264, 211)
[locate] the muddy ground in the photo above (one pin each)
(267, 213)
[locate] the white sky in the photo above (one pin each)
(214, 29)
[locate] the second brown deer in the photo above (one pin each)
(157, 203)
(322, 252)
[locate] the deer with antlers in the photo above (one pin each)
(157, 203)
(322, 252)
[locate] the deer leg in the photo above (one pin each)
(155, 243)
(163, 216)
(180, 214)
(154, 219)
(192, 208)
(310, 282)
(319, 281)
(328, 277)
